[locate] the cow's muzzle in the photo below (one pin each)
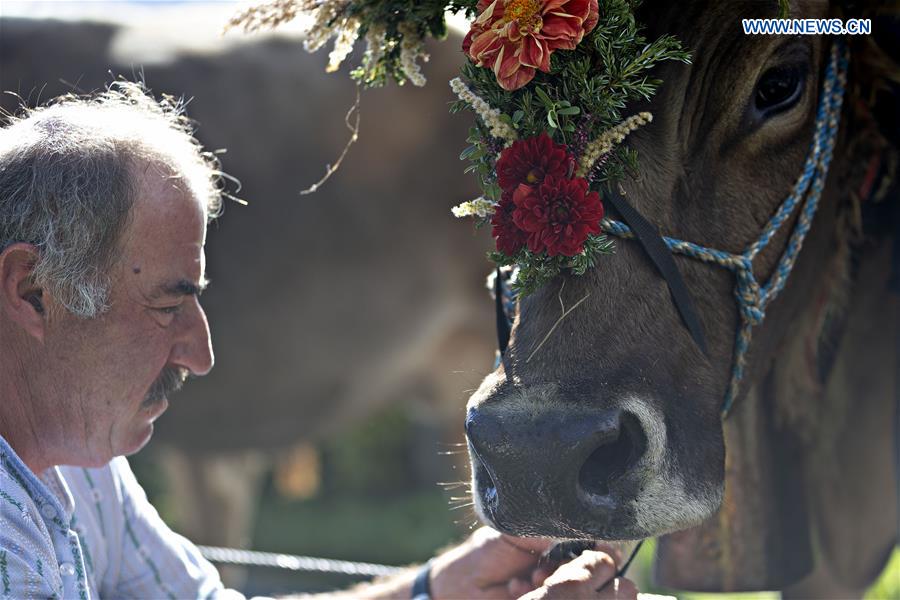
(558, 471)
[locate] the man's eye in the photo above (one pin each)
(169, 310)
(779, 89)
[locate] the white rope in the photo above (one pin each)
(295, 563)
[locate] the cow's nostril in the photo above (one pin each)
(613, 458)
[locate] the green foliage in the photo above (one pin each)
(373, 458)
(425, 17)
(538, 269)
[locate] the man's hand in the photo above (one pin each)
(492, 565)
(485, 565)
(590, 575)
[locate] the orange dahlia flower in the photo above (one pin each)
(516, 37)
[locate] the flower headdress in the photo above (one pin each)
(547, 81)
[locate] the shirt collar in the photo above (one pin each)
(48, 488)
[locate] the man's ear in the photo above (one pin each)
(21, 300)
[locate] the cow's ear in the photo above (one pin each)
(21, 300)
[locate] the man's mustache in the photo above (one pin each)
(168, 382)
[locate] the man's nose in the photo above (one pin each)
(193, 350)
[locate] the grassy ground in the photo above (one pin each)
(389, 531)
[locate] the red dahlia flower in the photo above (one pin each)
(558, 214)
(510, 239)
(516, 37)
(530, 160)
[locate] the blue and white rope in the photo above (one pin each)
(752, 297)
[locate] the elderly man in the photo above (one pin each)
(104, 203)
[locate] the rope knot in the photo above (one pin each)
(752, 314)
(749, 295)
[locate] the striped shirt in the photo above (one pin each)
(91, 533)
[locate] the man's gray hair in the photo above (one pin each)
(69, 178)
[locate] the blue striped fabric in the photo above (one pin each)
(91, 533)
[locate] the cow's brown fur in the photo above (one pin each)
(804, 452)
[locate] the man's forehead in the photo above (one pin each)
(166, 188)
(165, 209)
(163, 248)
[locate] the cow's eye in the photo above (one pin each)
(779, 89)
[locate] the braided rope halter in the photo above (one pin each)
(752, 297)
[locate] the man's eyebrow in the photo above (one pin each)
(182, 287)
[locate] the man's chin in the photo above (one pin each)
(144, 429)
(154, 410)
(140, 439)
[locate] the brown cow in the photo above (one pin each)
(612, 429)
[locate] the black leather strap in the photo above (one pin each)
(661, 257)
(421, 589)
(503, 325)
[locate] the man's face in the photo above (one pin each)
(117, 370)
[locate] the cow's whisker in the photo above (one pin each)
(453, 484)
(465, 522)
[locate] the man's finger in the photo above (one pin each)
(613, 550)
(592, 568)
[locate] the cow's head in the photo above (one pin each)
(606, 424)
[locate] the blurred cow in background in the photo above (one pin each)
(323, 308)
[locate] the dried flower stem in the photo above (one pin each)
(345, 37)
(411, 50)
(354, 130)
(565, 313)
(488, 114)
(327, 23)
(269, 15)
(479, 207)
(608, 140)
